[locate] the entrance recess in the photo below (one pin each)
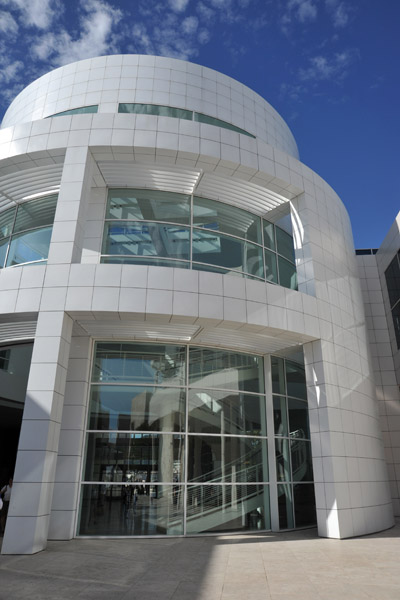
(15, 362)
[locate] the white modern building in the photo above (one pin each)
(184, 343)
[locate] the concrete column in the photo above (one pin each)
(28, 518)
(66, 487)
(73, 199)
(348, 459)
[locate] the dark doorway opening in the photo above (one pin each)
(15, 361)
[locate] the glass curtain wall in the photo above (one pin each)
(176, 442)
(25, 231)
(294, 473)
(168, 229)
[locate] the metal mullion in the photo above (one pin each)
(231, 235)
(10, 237)
(186, 433)
(263, 249)
(85, 437)
(125, 384)
(230, 390)
(232, 435)
(191, 230)
(276, 257)
(148, 221)
(137, 431)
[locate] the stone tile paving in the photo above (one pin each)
(258, 567)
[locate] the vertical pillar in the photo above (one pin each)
(273, 489)
(28, 518)
(76, 181)
(71, 447)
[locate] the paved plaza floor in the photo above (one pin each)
(296, 565)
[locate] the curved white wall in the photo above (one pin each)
(108, 80)
(77, 299)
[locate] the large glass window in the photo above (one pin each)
(25, 232)
(164, 228)
(176, 442)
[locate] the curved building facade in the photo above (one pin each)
(190, 295)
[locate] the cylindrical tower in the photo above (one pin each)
(200, 360)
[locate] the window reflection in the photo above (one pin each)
(146, 239)
(156, 227)
(171, 455)
(82, 110)
(141, 363)
(131, 509)
(223, 251)
(137, 408)
(224, 508)
(144, 457)
(216, 216)
(292, 444)
(28, 247)
(148, 205)
(213, 411)
(25, 231)
(227, 370)
(177, 113)
(227, 459)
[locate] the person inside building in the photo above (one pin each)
(5, 494)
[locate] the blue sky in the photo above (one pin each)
(330, 68)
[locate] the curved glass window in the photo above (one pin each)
(155, 109)
(25, 232)
(222, 218)
(82, 110)
(170, 229)
(149, 205)
(219, 123)
(146, 239)
(177, 113)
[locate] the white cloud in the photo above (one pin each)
(166, 36)
(95, 38)
(35, 13)
(142, 39)
(178, 6)
(204, 36)
(205, 12)
(339, 12)
(322, 68)
(300, 11)
(7, 23)
(221, 4)
(190, 25)
(303, 10)
(9, 70)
